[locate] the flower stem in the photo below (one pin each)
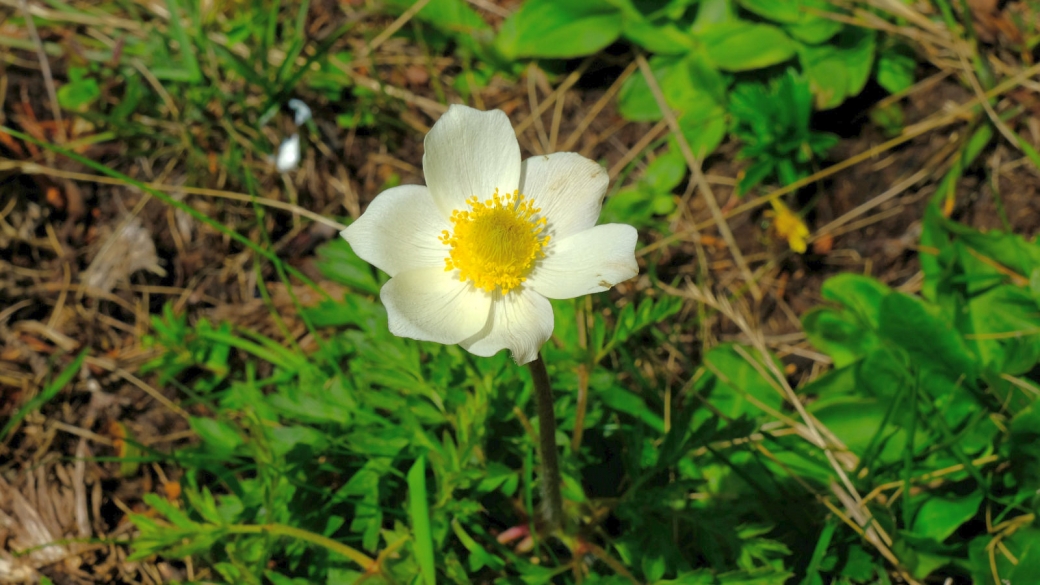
(550, 480)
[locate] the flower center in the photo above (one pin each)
(495, 243)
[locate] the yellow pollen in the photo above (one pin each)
(495, 243)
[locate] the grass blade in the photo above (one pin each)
(49, 392)
(419, 510)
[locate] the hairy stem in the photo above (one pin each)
(550, 482)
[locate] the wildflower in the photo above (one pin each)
(475, 255)
(790, 227)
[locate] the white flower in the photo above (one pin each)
(475, 255)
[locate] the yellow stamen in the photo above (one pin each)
(496, 242)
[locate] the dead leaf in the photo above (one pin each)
(123, 254)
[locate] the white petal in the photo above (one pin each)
(399, 231)
(589, 262)
(288, 154)
(470, 152)
(301, 111)
(521, 321)
(429, 305)
(569, 189)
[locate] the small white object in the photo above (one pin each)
(288, 154)
(301, 111)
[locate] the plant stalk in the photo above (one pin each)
(355, 555)
(552, 500)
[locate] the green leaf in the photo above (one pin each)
(838, 69)
(815, 31)
(855, 421)
(665, 172)
(861, 294)
(735, 386)
(689, 84)
(660, 38)
(630, 404)
(419, 511)
(220, 437)
(80, 91)
(455, 16)
(711, 12)
(839, 334)
(285, 439)
(798, 17)
(896, 66)
(784, 11)
(1004, 327)
(338, 262)
(941, 515)
(50, 391)
(743, 46)
(636, 206)
(548, 28)
(694, 90)
(1025, 449)
(929, 339)
(1023, 546)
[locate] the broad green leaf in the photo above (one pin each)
(694, 90)
(1004, 327)
(929, 339)
(815, 31)
(840, 68)
(743, 46)
(548, 28)
(649, 197)
(941, 515)
(637, 206)
(1025, 449)
(922, 556)
(839, 334)
(855, 421)
(1016, 561)
(783, 11)
(1007, 251)
(896, 66)
(884, 374)
(690, 85)
(665, 172)
(800, 18)
(712, 12)
(861, 294)
(734, 386)
(660, 38)
(455, 16)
